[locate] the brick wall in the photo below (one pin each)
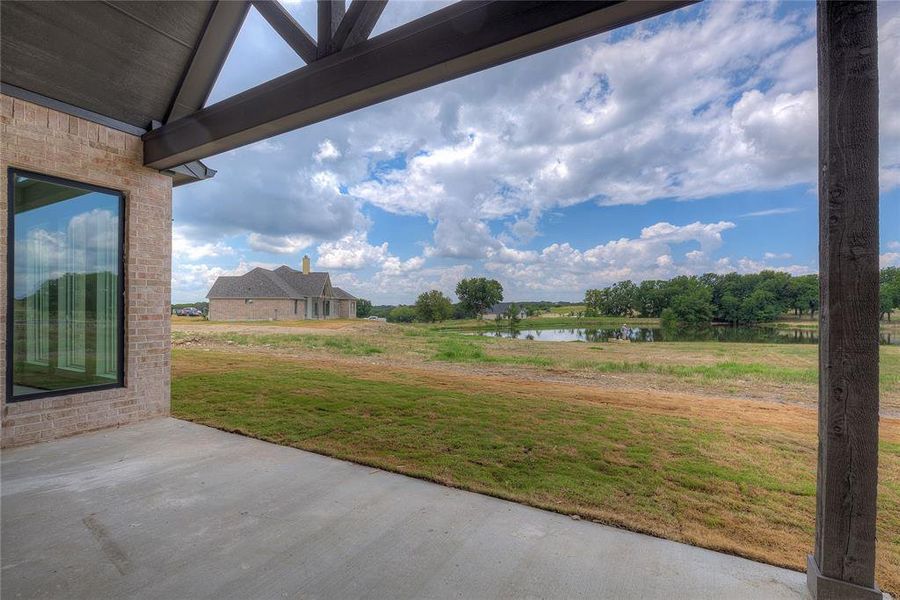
(261, 309)
(347, 309)
(53, 143)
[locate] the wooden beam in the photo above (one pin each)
(358, 23)
(330, 13)
(843, 563)
(222, 27)
(288, 28)
(457, 40)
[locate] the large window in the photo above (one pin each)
(66, 294)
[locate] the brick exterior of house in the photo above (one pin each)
(273, 309)
(347, 309)
(53, 143)
(261, 309)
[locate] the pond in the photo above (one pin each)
(715, 333)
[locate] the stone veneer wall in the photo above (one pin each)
(53, 143)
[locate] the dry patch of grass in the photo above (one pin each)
(727, 474)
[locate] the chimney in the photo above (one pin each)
(305, 264)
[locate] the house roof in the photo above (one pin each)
(283, 282)
(343, 295)
(311, 284)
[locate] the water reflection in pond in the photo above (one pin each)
(757, 335)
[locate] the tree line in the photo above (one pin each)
(476, 295)
(730, 298)
(684, 300)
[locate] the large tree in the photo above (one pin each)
(433, 306)
(691, 302)
(618, 300)
(402, 314)
(805, 294)
(363, 308)
(890, 290)
(478, 294)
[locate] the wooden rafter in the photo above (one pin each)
(288, 28)
(451, 42)
(358, 23)
(330, 13)
(225, 20)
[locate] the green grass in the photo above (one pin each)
(711, 479)
(338, 343)
(455, 350)
(718, 371)
(503, 444)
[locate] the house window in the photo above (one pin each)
(295, 307)
(316, 308)
(327, 308)
(66, 292)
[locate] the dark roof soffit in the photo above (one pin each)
(82, 113)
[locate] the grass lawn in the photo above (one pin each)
(728, 474)
(776, 372)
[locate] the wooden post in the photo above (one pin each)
(843, 563)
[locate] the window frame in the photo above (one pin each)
(121, 321)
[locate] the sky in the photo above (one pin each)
(682, 145)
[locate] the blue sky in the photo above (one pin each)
(685, 144)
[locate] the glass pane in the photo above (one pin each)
(67, 267)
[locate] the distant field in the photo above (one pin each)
(720, 472)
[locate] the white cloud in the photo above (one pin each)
(183, 247)
(387, 278)
(266, 147)
(700, 117)
(602, 129)
(890, 259)
(650, 256)
(747, 265)
(352, 251)
(667, 110)
(771, 212)
(327, 150)
(279, 244)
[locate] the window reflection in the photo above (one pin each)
(67, 322)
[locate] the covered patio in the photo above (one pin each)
(170, 509)
(167, 509)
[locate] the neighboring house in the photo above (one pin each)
(283, 294)
(499, 310)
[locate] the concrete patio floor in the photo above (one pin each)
(169, 509)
